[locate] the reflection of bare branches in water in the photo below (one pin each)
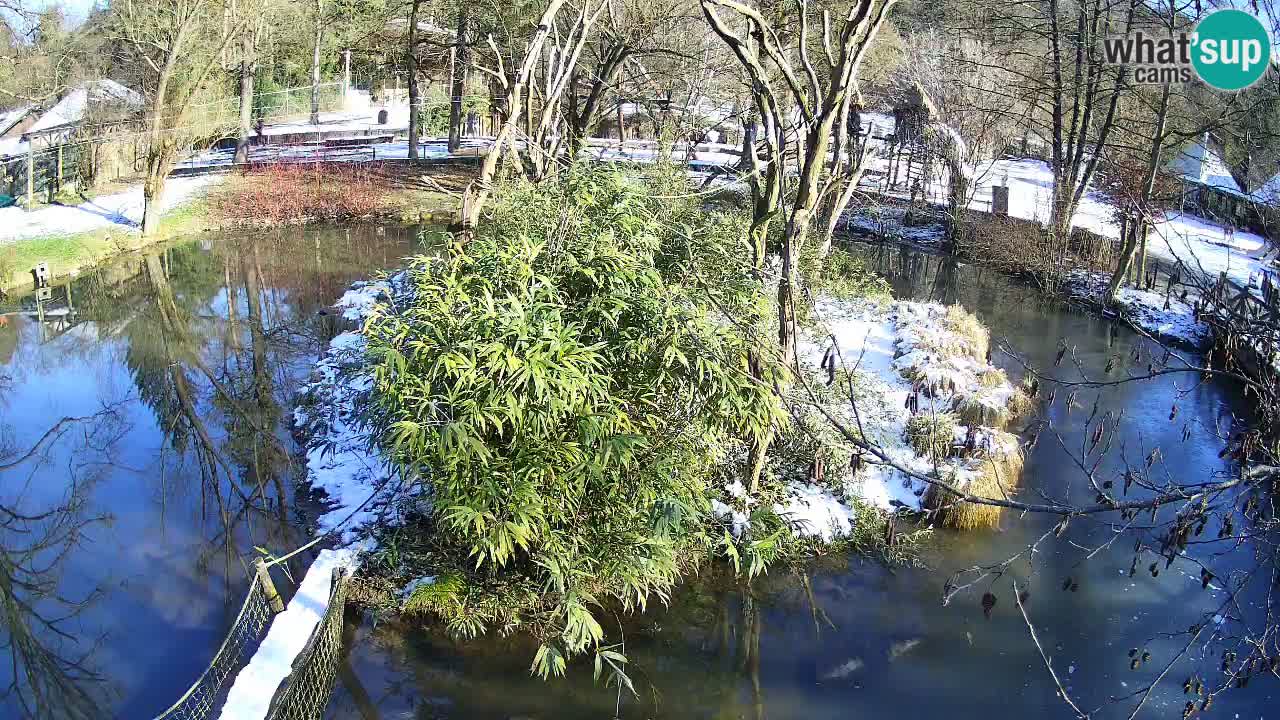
(240, 467)
(51, 674)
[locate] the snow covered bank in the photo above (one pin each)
(358, 484)
(1164, 317)
(903, 360)
(889, 222)
(1199, 244)
(342, 460)
(1208, 249)
(122, 211)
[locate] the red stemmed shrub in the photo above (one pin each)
(279, 193)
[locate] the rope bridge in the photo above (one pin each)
(304, 694)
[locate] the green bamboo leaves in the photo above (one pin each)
(566, 385)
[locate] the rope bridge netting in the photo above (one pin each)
(304, 693)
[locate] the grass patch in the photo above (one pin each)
(932, 434)
(70, 253)
(967, 325)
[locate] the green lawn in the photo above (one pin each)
(70, 253)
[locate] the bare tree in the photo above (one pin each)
(411, 61)
(516, 87)
(180, 44)
(315, 62)
(249, 41)
(801, 108)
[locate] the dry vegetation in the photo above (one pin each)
(997, 476)
(290, 193)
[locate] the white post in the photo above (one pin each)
(346, 70)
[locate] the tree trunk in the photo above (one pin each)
(1129, 243)
(1138, 225)
(458, 83)
(158, 161)
(411, 59)
(477, 193)
(248, 66)
(315, 65)
(786, 299)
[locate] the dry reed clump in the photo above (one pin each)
(944, 343)
(978, 409)
(966, 325)
(992, 405)
(992, 377)
(1020, 404)
(932, 434)
(994, 472)
(284, 193)
(930, 383)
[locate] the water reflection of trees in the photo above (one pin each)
(705, 655)
(52, 672)
(215, 336)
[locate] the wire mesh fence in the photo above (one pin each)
(48, 172)
(305, 693)
(205, 696)
(271, 106)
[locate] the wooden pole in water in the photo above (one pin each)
(268, 587)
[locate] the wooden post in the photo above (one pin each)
(31, 176)
(59, 183)
(268, 587)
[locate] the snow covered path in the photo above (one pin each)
(122, 211)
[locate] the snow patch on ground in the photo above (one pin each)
(815, 512)
(122, 211)
(357, 303)
(1165, 317)
(1201, 245)
(413, 585)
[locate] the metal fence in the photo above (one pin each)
(305, 693)
(48, 171)
(274, 105)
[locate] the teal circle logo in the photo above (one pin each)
(1231, 50)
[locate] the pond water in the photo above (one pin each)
(127, 537)
(132, 526)
(847, 637)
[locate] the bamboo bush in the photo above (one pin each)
(561, 383)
